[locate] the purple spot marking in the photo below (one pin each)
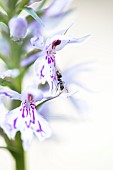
(14, 124)
(36, 40)
(6, 94)
(27, 110)
(55, 43)
(53, 60)
(32, 120)
(9, 127)
(49, 60)
(28, 125)
(23, 111)
(41, 72)
(40, 128)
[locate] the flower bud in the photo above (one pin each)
(18, 27)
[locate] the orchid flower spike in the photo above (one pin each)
(25, 118)
(45, 66)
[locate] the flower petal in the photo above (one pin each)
(46, 71)
(12, 123)
(38, 42)
(64, 40)
(57, 7)
(27, 137)
(41, 128)
(25, 62)
(34, 91)
(72, 75)
(10, 93)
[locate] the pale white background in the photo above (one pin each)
(83, 141)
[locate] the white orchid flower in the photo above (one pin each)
(25, 118)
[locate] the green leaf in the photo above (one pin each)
(3, 16)
(21, 3)
(33, 14)
(3, 6)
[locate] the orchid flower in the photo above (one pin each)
(25, 117)
(45, 66)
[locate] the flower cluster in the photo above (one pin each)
(26, 46)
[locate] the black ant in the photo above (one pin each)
(60, 82)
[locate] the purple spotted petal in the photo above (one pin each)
(10, 93)
(45, 69)
(28, 122)
(25, 118)
(64, 40)
(38, 42)
(33, 91)
(12, 123)
(42, 128)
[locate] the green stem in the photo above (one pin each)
(16, 149)
(20, 160)
(19, 155)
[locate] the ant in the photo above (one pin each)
(60, 82)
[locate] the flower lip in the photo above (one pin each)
(30, 98)
(29, 101)
(31, 95)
